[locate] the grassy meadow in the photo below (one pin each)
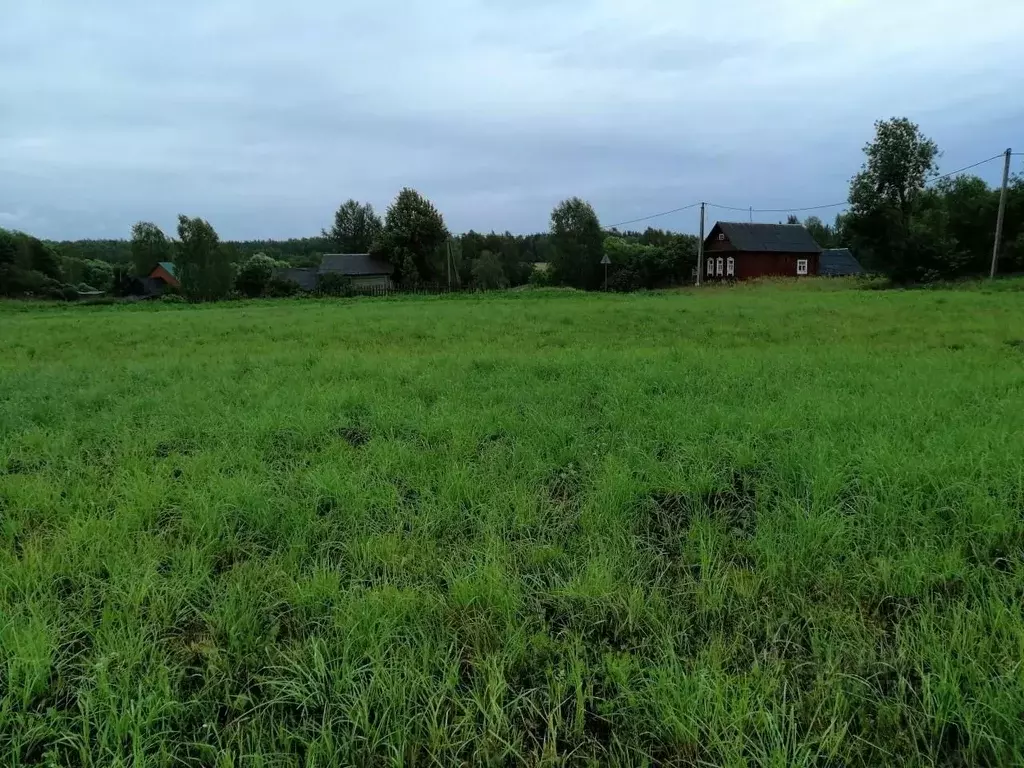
(769, 525)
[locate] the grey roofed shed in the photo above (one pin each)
(354, 265)
(776, 238)
(304, 277)
(836, 262)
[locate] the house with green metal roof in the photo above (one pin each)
(166, 273)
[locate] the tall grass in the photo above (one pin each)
(749, 526)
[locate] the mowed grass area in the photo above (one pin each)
(772, 525)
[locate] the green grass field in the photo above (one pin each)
(770, 525)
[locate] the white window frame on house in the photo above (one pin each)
(719, 264)
(801, 266)
(730, 267)
(711, 266)
(721, 236)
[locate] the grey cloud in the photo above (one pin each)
(263, 116)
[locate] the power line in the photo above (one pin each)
(779, 210)
(965, 168)
(803, 209)
(653, 216)
(846, 203)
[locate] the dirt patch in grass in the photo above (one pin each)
(1002, 552)
(176, 446)
(355, 436)
(25, 465)
(736, 503)
(662, 516)
(493, 443)
(600, 624)
(326, 505)
(888, 612)
(237, 546)
(191, 645)
(586, 735)
(565, 485)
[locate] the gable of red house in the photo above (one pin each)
(165, 271)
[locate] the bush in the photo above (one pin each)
(254, 275)
(173, 298)
(98, 273)
(637, 264)
(488, 273)
(541, 278)
(69, 293)
(279, 288)
(333, 284)
(15, 281)
(49, 288)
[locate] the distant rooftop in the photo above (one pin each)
(354, 265)
(836, 262)
(785, 238)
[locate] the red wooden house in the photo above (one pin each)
(165, 272)
(740, 251)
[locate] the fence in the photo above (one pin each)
(393, 289)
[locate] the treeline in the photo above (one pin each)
(904, 221)
(298, 252)
(412, 236)
(29, 266)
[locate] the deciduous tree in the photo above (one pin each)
(149, 246)
(823, 234)
(970, 207)
(638, 264)
(98, 274)
(488, 272)
(578, 244)
(8, 267)
(42, 257)
(8, 247)
(356, 228)
(413, 232)
(884, 198)
(204, 269)
(899, 162)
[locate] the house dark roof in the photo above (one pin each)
(305, 277)
(788, 238)
(354, 265)
(836, 262)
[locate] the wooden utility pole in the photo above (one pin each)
(1002, 213)
(700, 246)
(448, 262)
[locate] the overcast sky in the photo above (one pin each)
(262, 116)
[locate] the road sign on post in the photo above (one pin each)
(606, 261)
